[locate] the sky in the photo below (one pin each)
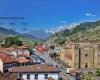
(46, 14)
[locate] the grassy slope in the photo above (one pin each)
(31, 42)
(89, 31)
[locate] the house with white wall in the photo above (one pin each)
(18, 51)
(35, 72)
(22, 50)
(8, 61)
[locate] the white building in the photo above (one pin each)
(35, 72)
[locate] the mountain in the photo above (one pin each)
(26, 35)
(4, 32)
(25, 38)
(40, 34)
(87, 31)
(8, 31)
(45, 34)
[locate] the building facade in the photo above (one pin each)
(35, 72)
(81, 55)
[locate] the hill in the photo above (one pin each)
(6, 32)
(26, 38)
(87, 31)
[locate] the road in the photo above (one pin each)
(49, 60)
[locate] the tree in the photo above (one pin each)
(30, 51)
(10, 41)
(98, 72)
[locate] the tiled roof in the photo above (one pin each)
(23, 55)
(2, 49)
(22, 60)
(22, 47)
(37, 68)
(7, 58)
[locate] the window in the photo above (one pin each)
(52, 47)
(36, 76)
(22, 64)
(86, 65)
(14, 64)
(7, 65)
(28, 76)
(20, 75)
(86, 55)
(46, 76)
(76, 47)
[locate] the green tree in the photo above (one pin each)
(31, 51)
(10, 41)
(98, 72)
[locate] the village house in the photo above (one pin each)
(40, 48)
(23, 50)
(53, 48)
(18, 51)
(6, 61)
(35, 72)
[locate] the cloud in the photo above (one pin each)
(90, 14)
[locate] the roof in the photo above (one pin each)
(6, 58)
(22, 60)
(23, 55)
(22, 47)
(37, 68)
(40, 48)
(3, 49)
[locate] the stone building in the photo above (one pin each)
(81, 55)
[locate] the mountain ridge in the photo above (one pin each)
(4, 32)
(83, 32)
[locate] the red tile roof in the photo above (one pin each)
(6, 58)
(40, 48)
(22, 60)
(3, 49)
(38, 68)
